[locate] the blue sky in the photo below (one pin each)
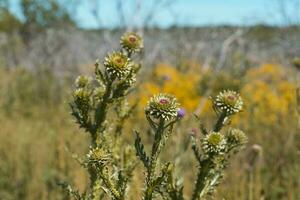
(187, 13)
(181, 12)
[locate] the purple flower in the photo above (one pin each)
(181, 112)
(166, 77)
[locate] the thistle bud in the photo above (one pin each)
(296, 62)
(117, 64)
(82, 81)
(82, 99)
(99, 92)
(81, 95)
(228, 101)
(236, 137)
(213, 143)
(194, 132)
(163, 106)
(98, 157)
(132, 42)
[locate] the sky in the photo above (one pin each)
(181, 13)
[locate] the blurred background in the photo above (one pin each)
(193, 49)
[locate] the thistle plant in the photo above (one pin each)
(212, 151)
(161, 113)
(216, 146)
(100, 107)
(109, 162)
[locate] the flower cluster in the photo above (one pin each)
(270, 94)
(163, 106)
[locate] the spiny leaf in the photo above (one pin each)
(196, 149)
(162, 178)
(140, 151)
(99, 75)
(71, 191)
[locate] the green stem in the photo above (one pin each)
(100, 114)
(220, 122)
(111, 186)
(200, 189)
(93, 182)
(209, 185)
(250, 197)
(201, 180)
(153, 161)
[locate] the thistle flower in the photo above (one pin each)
(82, 81)
(132, 42)
(228, 101)
(97, 156)
(236, 137)
(213, 143)
(162, 106)
(117, 64)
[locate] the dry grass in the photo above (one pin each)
(36, 127)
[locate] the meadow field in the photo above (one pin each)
(38, 132)
(44, 150)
